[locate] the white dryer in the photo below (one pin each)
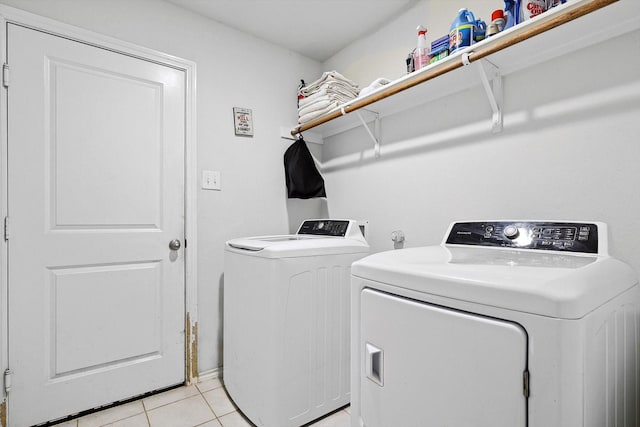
(286, 321)
(505, 324)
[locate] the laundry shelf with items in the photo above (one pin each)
(575, 25)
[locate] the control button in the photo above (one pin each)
(511, 232)
(488, 228)
(546, 243)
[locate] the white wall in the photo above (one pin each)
(570, 149)
(233, 70)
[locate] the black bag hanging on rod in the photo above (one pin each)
(303, 179)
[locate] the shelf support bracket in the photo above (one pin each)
(375, 135)
(491, 79)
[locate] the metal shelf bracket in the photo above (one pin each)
(375, 135)
(491, 79)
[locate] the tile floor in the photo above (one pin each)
(205, 404)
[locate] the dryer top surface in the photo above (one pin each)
(539, 282)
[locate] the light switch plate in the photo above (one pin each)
(211, 180)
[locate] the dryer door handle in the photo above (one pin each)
(374, 364)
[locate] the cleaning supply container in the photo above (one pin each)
(439, 48)
(497, 18)
(511, 14)
(421, 54)
(461, 33)
(479, 30)
(530, 8)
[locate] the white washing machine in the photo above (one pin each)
(505, 324)
(286, 322)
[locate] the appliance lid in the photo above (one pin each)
(259, 243)
(546, 283)
(314, 237)
(288, 246)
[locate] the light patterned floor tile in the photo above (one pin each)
(139, 420)
(234, 419)
(170, 396)
(209, 384)
(219, 401)
(111, 415)
(212, 423)
(186, 407)
(188, 412)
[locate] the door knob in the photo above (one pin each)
(174, 245)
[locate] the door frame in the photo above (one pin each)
(26, 19)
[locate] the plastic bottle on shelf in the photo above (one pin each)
(461, 33)
(510, 14)
(497, 23)
(528, 9)
(479, 30)
(421, 54)
(497, 17)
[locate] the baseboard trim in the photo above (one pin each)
(210, 374)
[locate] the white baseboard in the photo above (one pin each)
(210, 374)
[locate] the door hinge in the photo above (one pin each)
(6, 228)
(5, 75)
(7, 380)
(525, 383)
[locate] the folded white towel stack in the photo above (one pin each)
(323, 95)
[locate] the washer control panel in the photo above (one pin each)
(554, 236)
(325, 227)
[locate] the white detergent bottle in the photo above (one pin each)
(530, 8)
(421, 54)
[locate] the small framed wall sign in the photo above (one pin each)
(243, 121)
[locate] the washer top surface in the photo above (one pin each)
(493, 270)
(314, 237)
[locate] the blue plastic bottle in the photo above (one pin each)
(479, 30)
(511, 8)
(461, 31)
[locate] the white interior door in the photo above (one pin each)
(424, 365)
(96, 193)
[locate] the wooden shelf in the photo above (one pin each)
(570, 27)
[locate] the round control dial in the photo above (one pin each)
(511, 232)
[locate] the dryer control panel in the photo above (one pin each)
(554, 236)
